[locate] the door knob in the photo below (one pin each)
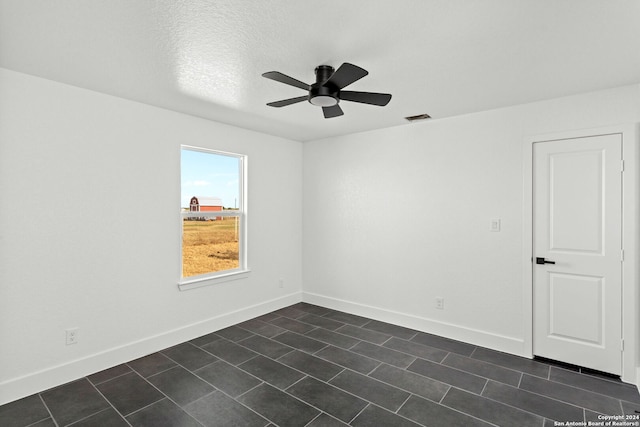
(544, 261)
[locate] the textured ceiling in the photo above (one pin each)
(441, 57)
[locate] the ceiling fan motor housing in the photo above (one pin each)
(324, 95)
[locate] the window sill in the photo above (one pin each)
(200, 281)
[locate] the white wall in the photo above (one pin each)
(90, 231)
(89, 228)
(397, 217)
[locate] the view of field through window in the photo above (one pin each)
(211, 225)
(209, 246)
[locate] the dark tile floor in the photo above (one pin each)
(306, 365)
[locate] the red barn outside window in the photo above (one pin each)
(206, 204)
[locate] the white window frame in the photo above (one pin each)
(192, 282)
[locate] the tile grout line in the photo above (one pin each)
(217, 390)
(35, 424)
(473, 352)
(575, 387)
(404, 389)
(426, 360)
(48, 410)
(376, 367)
(295, 382)
(544, 396)
(386, 341)
(334, 377)
(164, 371)
(507, 367)
(443, 359)
(291, 349)
(514, 371)
(520, 380)
(305, 374)
(460, 370)
(146, 406)
(342, 390)
(364, 339)
(105, 409)
(465, 413)
(407, 418)
(312, 420)
(311, 405)
(495, 401)
(243, 393)
(359, 412)
(481, 391)
(613, 383)
(110, 379)
(429, 347)
(181, 365)
(264, 336)
(260, 381)
(166, 396)
(563, 401)
(109, 402)
(405, 402)
(318, 351)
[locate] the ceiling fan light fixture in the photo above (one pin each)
(323, 101)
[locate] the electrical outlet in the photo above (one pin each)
(72, 336)
(440, 303)
(281, 282)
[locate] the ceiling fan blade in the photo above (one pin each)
(380, 99)
(333, 111)
(282, 78)
(286, 102)
(345, 75)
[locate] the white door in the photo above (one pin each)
(577, 253)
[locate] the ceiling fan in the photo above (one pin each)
(327, 91)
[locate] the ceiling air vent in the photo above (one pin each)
(418, 117)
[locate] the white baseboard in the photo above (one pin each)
(472, 336)
(17, 388)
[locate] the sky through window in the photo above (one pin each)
(209, 175)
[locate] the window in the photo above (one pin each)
(213, 216)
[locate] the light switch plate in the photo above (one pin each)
(494, 225)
